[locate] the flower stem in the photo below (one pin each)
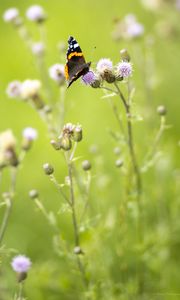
(159, 134)
(8, 201)
(74, 217)
(20, 292)
(131, 142)
(72, 203)
(5, 220)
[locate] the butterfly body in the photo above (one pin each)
(76, 65)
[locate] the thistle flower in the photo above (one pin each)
(56, 72)
(38, 48)
(135, 30)
(104, 65)
(21, 265)
(7, 140)
(105, 70)
(30, 133)
(30, 88)
(124, 69)
(36, 13)
(11, 15)
(68, 129)
(14, 89)
(128, 28)
(89, 78)
(7, 149)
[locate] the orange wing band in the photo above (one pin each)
(74, 54)
(66, 72)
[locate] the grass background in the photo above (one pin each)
(111, 259)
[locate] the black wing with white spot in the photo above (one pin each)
(73, 46)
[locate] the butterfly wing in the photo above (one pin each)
(76, 65)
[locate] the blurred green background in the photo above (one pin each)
(108, 243)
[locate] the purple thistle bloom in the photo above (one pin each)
(30, 133)
(21, 264)
(89, 78)
(135, 30)
(124, 69)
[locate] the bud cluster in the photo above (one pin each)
(105, 71)
(26, 90)
(8, 153)
(70, 133)
(127, 28)
(34, 13)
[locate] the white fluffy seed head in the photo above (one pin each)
(30, 88)
(56, 72)
(104, 65)
(11, 15)
(35, 13)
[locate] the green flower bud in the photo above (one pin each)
(119, 163)
(38, 103)
(47, 109)
(65, 143)
(96, 83)
(109, 76)
(33, 194)
(48, 169)
(21, 276)
(161, 110)
(86, 165)
(78, 250)
(125, 55)
(117, 150)
(77, 133)
(56, 144)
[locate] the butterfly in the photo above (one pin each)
(76, 65)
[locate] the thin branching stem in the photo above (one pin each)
(58, 186)
(108, 89)
(72, 203)
(69, 159)
(158, 136)
(131, 141)
(5, 220)
(8, 201)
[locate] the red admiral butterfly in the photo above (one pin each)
(76, 65)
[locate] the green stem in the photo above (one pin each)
(74, 217)
(72, 203)
(8, 201)
(53, 179)
(5, 218)
(20, 292)
(157, 138)
(131, 142)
